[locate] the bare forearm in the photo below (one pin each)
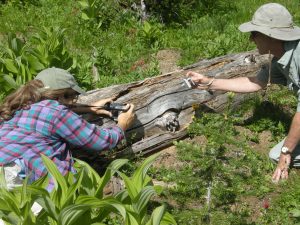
(240, 84)
(294, 133)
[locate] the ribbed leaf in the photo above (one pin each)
(122, 196)
(143, 198)
(130, 186)
(140, 174)
(59, 180)
(157, 215)
(41, 182)
(36, 190)
(25, 197)
(10, 66)
(73, 188)
(48, 206)
(131, 220)
(10, 81)
(90, 180)
(94, 202)
(113, 167)
(71, 214)
(161, 217)
(35, 63)
(168, 220)
(11, 201)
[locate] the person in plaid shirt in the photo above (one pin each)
(36, 120)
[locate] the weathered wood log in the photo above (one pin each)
(164, 104)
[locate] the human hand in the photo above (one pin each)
(199, 79)
(97, 109)
(282, 170)
(125, 119)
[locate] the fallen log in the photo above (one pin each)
(164, 105)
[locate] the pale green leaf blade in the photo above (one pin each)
(130, 186)
(143, 198)
(59, 180)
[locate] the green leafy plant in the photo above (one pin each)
(151, 34)
(137, 194)
(18, 64)
(21, 60)
(79, 197)
(51, 48)
(98, 12)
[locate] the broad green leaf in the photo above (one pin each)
(59, 194)
(14, 45)
(35, 190)
(10, 66)
(140, 174)
(131, 220)
(25, 196)
(90, 180)
(143, 198)
(42, 182)
(157, 215)
(130, 186)
(168, 219)
(99, 203)
(83, 4)
(113, 167)
(160, 217)
(48, 206)
(23, 73)
(72, 213)
(73, 188)
(59, 180)
(84, 16)
(35, 64)
(12, 201)
(12, 83)
(122, 196)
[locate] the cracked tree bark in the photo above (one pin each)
(164, 106)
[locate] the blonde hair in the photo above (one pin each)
(27, 95)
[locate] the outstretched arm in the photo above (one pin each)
(240, 84)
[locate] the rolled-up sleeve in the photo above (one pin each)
(78, 132)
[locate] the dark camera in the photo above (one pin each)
(116, 109)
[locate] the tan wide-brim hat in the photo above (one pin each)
(273, 20)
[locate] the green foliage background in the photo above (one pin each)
(110, 36)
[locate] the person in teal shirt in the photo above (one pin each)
(273, 32)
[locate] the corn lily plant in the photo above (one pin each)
(78, 198)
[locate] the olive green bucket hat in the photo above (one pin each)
(55, 79)
(273, 20)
